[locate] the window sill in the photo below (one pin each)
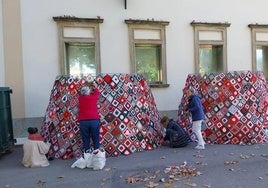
(159, 85)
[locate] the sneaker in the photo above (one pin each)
(199, 147)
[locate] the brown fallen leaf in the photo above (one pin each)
(107, 169)
(146, 171)
(152, 185)
(190, 184)
(199, 156)
(246, 156)
(105, 179)
(167, 185)
(230, 162)
(133, 180)
(167, 170)
(41, 183)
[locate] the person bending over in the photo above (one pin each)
(175, 134)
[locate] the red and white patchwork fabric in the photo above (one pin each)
(128, 114)
(235, 104)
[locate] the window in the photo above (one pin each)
(147, 41)
(259, 38)
(79, 45)
(210, 47)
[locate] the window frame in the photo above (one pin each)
(257, 28)
(209, 27)
(75, 22)
(148, 25)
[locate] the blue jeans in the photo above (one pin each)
(90, 129)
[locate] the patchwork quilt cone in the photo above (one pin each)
(235, 104)
(128, 114)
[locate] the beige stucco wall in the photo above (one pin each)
(13, 64)
(31, 70)
(29, 53)
(2, 72)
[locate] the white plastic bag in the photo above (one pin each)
(88, 159)
(99, 160)
(79, 163)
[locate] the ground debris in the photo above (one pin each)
(152, 185)
(134, 179)
(246, 156)
(41, 183)
(264, 155)
(167, 185)
(105, 179)
(231, 162)
(199, 156)
(190, 184)
(171, 173)
(139, 178)
(107, 169)
(184, 171)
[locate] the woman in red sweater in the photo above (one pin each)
(89, 117)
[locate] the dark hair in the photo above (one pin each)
(164, 120)
(32, 130)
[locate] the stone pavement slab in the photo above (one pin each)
(218, 166)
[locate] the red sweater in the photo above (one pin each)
(88, 106)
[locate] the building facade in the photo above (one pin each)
(37, 38)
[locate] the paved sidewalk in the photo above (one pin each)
(218, 166)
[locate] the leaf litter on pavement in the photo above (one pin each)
(182, 172)
(165, 177)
